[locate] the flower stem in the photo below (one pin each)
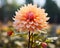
(29, 40)
(32, 40)
(30, 44)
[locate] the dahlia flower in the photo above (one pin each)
(30, 18)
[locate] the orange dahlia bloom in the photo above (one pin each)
(30, 18)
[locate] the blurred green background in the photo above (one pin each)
(7, 12)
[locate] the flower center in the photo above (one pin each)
(30, 16)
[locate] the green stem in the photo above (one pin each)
(29, 40)
(32, 40)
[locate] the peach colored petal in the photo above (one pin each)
(30, 18)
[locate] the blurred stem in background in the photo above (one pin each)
(29, 1)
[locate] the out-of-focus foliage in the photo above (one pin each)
(53, 11)
(40, 39)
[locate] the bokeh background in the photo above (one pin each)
(7, 12)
